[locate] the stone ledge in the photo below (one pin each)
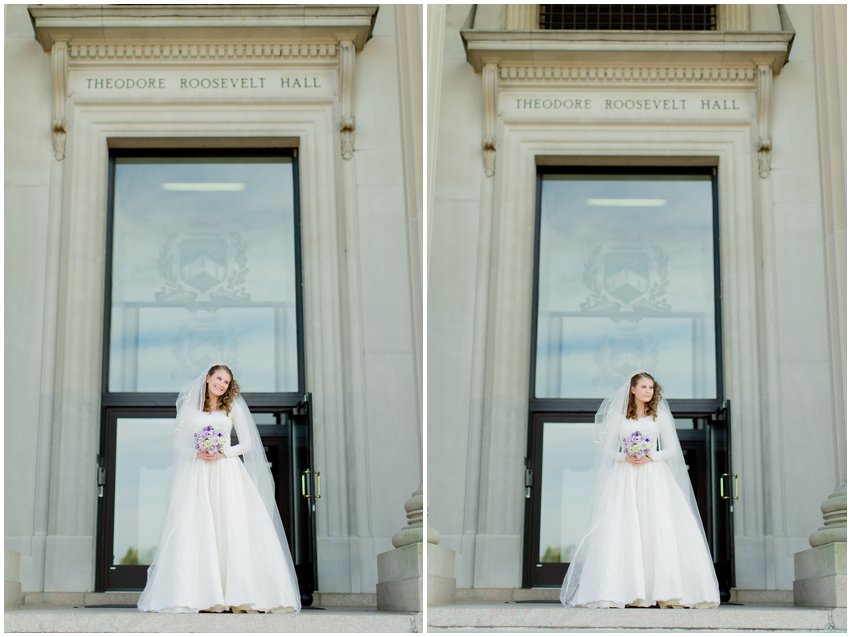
(475, 595)
(120, 620)
(760, 597)
(365, 601)
(552, 616)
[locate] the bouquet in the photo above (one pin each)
(637, 445)
(209, 440)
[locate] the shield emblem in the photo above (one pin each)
(203, 262)
(626, 274)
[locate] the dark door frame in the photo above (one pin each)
(709, 466)
(160, 404)
(582, 410)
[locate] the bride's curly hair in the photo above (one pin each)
(226, 400)
(631, 408)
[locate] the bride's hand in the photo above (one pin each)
(207, 457)
(637, 461)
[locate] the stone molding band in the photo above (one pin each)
(209, 51)
(628, 74)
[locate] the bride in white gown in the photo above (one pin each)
(645, 545)
(223, 545)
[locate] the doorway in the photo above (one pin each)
(203, 264)
(626, 278)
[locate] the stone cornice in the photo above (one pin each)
(619, 48)
(300, 35)
(207, 24)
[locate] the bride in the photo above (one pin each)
(222, 545)
(645, 545)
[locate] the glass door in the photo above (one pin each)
(203, 264)
(723, 492)
(626, 279)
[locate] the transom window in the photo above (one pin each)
(625, 17)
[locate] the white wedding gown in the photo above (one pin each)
(648, 547)
(223, 553)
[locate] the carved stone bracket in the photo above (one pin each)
(489, 87)
(347, 117)
(763, 93)
(59, 65)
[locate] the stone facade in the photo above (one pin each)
(82, 80)
(505, 97)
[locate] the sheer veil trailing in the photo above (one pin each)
(190, 402)
(608, 423)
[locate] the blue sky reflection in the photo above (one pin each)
(201, 275)
(624, 288)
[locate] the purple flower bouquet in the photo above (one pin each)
(637, 445)
(209, 440)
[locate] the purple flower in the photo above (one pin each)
(637, 445)
(209, 440)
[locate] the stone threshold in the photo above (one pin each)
(365, 601)
(53, 619)
(488, 595)
(544, 615)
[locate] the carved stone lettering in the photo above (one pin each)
(178, 83)
(125, 83)
(645, 104)
(226, 83)
(634, 105)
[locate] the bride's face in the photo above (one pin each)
(643, 390)
(218, 382)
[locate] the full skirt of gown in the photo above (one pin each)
(223, 553)
(648, 547)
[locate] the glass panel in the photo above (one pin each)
(203, 269)
(143, 476)
(626, 281)
(689, 423)
(566, 483)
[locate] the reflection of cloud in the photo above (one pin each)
(146, 216)
(573, 351)
(142, 481)
(570, 357)
(571, 230)
(566, 475)
(147, 353)
(259, 344)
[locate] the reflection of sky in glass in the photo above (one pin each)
(625, 287)
(143, 475)
(203, 275)
(566, 475)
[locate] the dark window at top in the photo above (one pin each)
(639, 17)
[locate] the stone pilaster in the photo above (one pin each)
(821, 572)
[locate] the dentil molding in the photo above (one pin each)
(205, 51)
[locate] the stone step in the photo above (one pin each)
(544, 616)
(47, 619)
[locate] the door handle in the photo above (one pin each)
(306, 476)
(735, 477)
